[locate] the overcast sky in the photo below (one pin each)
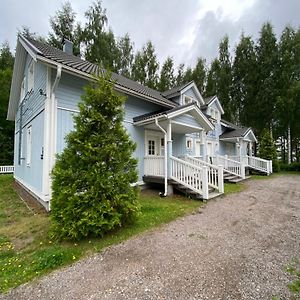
(183, 30)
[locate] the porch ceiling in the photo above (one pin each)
(176, 127)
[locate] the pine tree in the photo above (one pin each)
(63, 26)
(92, 178)
(267, 149)
(167, 79)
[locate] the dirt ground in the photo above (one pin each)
(237, 247)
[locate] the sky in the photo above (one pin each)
(181, 29)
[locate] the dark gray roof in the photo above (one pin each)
(77, 63)
(175, 90)
(160, 113)
(240, 132)
(230, 125)
(207, 100)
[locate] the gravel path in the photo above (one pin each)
(237, 248)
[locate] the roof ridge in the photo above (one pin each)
(88, 67)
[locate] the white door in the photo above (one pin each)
(198, 149)
(209, 149)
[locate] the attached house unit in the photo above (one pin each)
(182, 140)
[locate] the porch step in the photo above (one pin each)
(195, 195)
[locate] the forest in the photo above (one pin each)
(257, 82)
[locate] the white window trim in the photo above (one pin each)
(22, 92)
(28, 145)
(189, 143)
(31, 76)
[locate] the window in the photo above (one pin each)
(189, 143)
(151, 147)
(187, 100)
(31, 76)
(214, 113)
(162, 142)
(29, 143)
(22, 94)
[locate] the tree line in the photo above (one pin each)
(257, 83)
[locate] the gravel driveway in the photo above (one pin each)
(237, 248)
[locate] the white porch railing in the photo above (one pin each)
(215, 173)
(231, 166)
(6, 169)
(154, 166)
(260, 164)
(256, 163)
(189, 175)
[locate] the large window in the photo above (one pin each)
(151, 147)
(29, 146)
(187, 100)
(31, 76)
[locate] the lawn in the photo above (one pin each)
(27, 252)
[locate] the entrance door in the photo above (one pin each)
(209, 149)
(198, 149)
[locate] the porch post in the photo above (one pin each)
(203, 132)
(170, 153)
(250, 149)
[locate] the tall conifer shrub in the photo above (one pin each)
(92, 177)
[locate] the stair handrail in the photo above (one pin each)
(260, 164)
(231, 166)
(215, 173)
(190, 175)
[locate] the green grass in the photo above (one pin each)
(294, 270)
(26, 251)
(230, 188)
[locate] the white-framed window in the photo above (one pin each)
(29, 145)
(22, 93)
(187, 99)
(189, 143)
(214, 113)
(151, 147)
(31, 76)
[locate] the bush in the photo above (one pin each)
(295, 166)
(267, 149)
(92, 191)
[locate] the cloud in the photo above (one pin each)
(215, 24)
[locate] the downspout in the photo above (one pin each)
(166, 157)
(53, 126)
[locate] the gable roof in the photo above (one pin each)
(76, 65)
(174, 112)
(239, 132)
(175, 91)
(210, 100)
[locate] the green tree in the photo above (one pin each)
(267, 149)
(92, 177)
(199, 74)
(6, 127)
(212, 78)
(63, 26)
(126, 56)
(145, 66)
(167, 79)
(243, 79)
(180, 75)
(266, 85)
(224, 79)
(100, 44)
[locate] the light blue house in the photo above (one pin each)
(181, 138)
